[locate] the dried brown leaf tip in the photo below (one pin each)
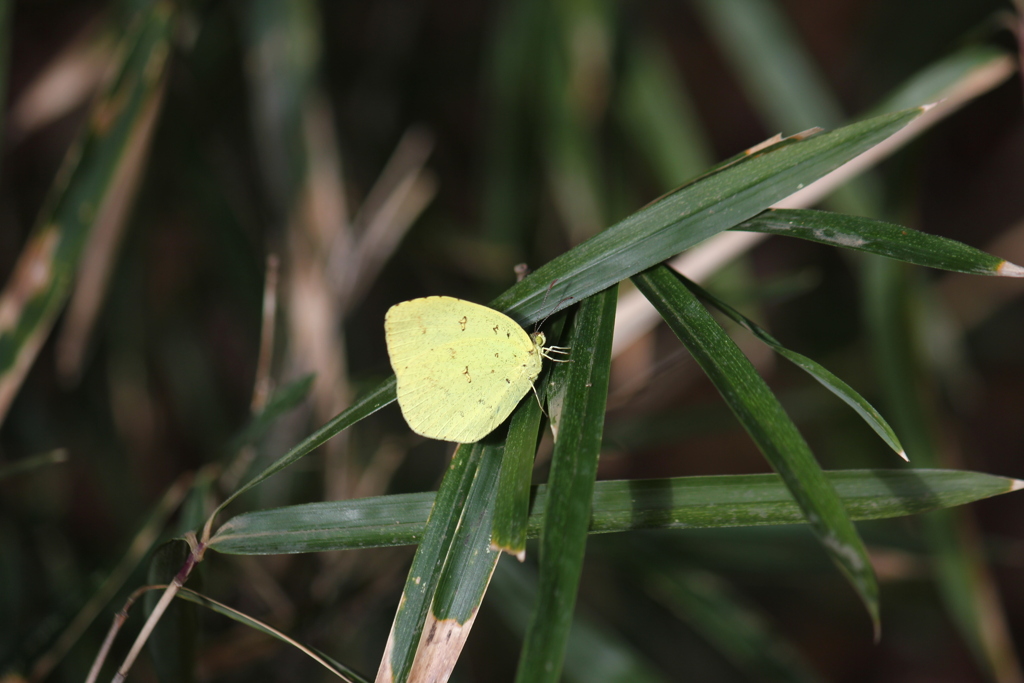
(1007, 269)
(439, 649)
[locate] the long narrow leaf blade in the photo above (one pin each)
(837, 386)
(678, 503)
(690, 215)
(367, 404)
(571, 484)
(881, 238)
(122, 119)
(340, 670)
(656, 232)
(962, 576)
(512, 508)
(468, 566)
(767, 423)
(425, 573)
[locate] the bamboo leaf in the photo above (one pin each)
(677, 503)
(367, 404)
(837, 386)
(690, 215)
(512, 507)
(512, 513)
(664, 228)
(879, 237)
(767, 423)
(340, 670)
(425, 574)
(571, 484)
(121, 120)
(468, 565)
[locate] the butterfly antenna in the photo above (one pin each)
(557, 308)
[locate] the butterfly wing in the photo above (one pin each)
(461, 367)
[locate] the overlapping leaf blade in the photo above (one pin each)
(571, 486)
(767, 423)
(662, 229)
(837, 386)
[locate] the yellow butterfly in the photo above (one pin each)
(461, 367)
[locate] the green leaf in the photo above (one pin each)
(837, 386)
(367, 404)
(571, 484)
(690, 215)
(425, 574)
(881, 238)
(664, 228)
(343, 672)
(468, 565)
(767, 423)
(893, 304)
(512, 507)
(122, 118)
(281, 401)
(678, 503)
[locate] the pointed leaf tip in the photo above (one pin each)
(903, 454)
(1007, 269)
(1016, 485)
